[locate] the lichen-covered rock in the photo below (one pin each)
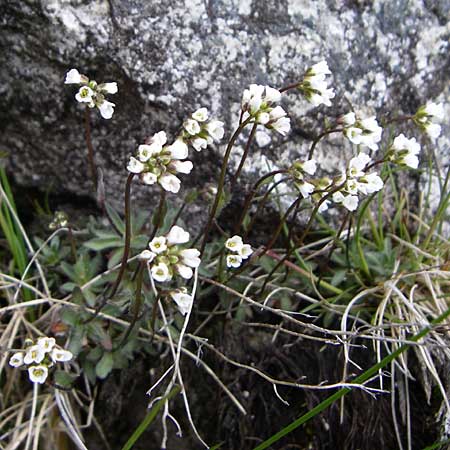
(171, 57)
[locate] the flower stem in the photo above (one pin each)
(222, 181)
(244, 156)
(261, 205)
(136, 305)
(318, 138)
(159, 215)
(252, 193)
(91, 161)
(126, 249)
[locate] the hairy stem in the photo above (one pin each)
(222, 182)
(318, 138)
(91, 161)
(252, 193)
(126, 250)
(244, 156)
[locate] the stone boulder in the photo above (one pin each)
(172, 57)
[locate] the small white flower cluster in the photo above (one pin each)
(39, 357)
(357, 181)
(298, 171)
(91, 93)
(258, 103)
(158, 163)
(314, 85)
(427, 116)
(364, 132)
(240, 251)
(167, 259)
(404, 151)
(199, 132)
(60, 220)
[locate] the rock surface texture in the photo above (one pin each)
(172, 57)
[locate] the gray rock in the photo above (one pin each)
(171, 57)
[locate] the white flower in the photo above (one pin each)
(272, 95)
(234, 243)
(199, 143)
(320, 68)
(192, 127)
(170, 182)
(109, 88)
(357, 164)
(201, 115)
(146, 151)
(135, 166)
(320, 93)
(182, 166)
(263, 118)
(84, 94)
(106, 109)
(59, 354)
(190, 257)
(364, 132)
(178, 150)
(73, 77)
(405, 151)
(348, 119)
(38, 374)
(433, 130)
(324, 97)
(434, 110)
(245, 251)
(158, 245)
(147, 255)
(215, 129)
(160, 272)
(350, 202)
(159, 138)
(410, 160)
(323, 206)
(183, 301)
(282, 125)
(149, 178)
(277, 113)
(34, 354)
(252, 98)
(262, 138)
(353, 134)
(46, 343)
(370, 183)
(177, 235)
(234, 261)
(306, 189)
(184, 271)
(371, 133)
(314, 85)
(16, 360)
(309, 166)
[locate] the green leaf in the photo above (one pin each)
(76, 339)
(224, 199)
(114, 216)
(99, 244)
(338, 277)
(70, 317)
(105, 365)
(64, 379)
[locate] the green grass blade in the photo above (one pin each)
(148, 419)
